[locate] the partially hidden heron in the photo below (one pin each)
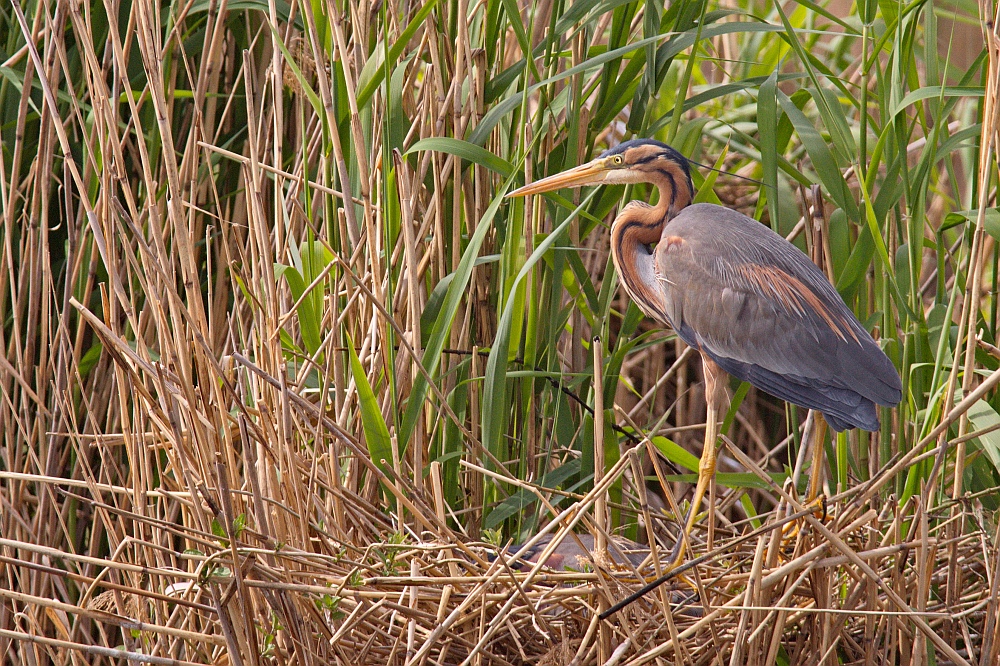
(748, 300)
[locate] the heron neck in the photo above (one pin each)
(632, 233)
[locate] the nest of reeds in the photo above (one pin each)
(838, 579)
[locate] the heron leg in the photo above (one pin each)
(715, 394)
(814, 496)
(816, 474)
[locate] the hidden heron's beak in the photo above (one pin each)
(592, 173)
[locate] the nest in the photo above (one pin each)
(795, 586)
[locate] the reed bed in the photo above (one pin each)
(284, 375)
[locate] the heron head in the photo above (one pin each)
(635, 161)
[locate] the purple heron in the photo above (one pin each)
(748, 300)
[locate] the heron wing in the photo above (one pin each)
(766, 314)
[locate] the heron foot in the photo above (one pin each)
(791, 531)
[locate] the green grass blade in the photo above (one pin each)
(376, 432)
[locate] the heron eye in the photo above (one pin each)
(619, 160)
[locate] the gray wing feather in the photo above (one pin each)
(765, 313)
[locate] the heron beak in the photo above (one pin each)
(591, 173)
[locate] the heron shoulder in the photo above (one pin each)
(710, 220)
(731, 243)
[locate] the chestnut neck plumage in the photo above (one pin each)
(639, 225)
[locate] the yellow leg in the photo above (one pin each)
(715, 393)
(813, 497)
(816, 475)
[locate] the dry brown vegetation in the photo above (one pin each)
(281, 369)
